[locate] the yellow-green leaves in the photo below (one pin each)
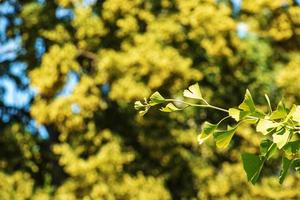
(143, 112)
(281, 137)
(292, 148)
(138, 105)
(207, 130)
(193, 92)
(170, 107)
(246, 109)
(237, 114)
(143, 108)
(265, 126)
(234, 113)
(223, 138)
(267, 148)
(156, 98)
(248, 103)
(280, 126)
(280, 112)
(296, 114)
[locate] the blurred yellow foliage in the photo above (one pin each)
(123, 50)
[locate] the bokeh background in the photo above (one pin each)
(71, 70)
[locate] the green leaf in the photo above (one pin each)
(291, 148)
(207, 130)
(138, 105)
(267, 149)
(290, 114)
(143, 112)
(280, 112)
(193, 92)
(296, 165)
(286, 163)
(247, 104)
(252, 166)
(170, 107)
(264, 126)
(296, 114)
(281, 137)
(156, 98)
(258, 114)
(223, 138)
(237, 114)
(234, 113)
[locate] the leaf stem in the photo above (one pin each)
(206, 105)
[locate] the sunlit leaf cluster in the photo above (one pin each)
(280, 128)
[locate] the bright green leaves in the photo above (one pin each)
(267, 148)
(280, 112)
(207, 130)
(286, 163)
(143, 112)
(143, 108)
(252, 165)
(193, 92)
(138, 105)
(281, 126)
(156, 98)
(292, 148)
(234, 113)
(248, 103)
(281, 137)
(170, 107)
(245, 110)
(296, 165)
(296, 114)
(237, 114)
(223, 138)
(264, 126)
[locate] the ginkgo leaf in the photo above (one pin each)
(280, 112)
(143, 112)
(296, 165)
(237, 114)
(267, 148)
(138, 105)
(290, 113)
(281, 137)
(264, 126)
(248, 103)
(252, 166)
(296, 114)
(223, 138)
(207, 130)
(156, 98)
(169, 108)
(291, 148)
(234, 113)
(286, 163)
(193, 92)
